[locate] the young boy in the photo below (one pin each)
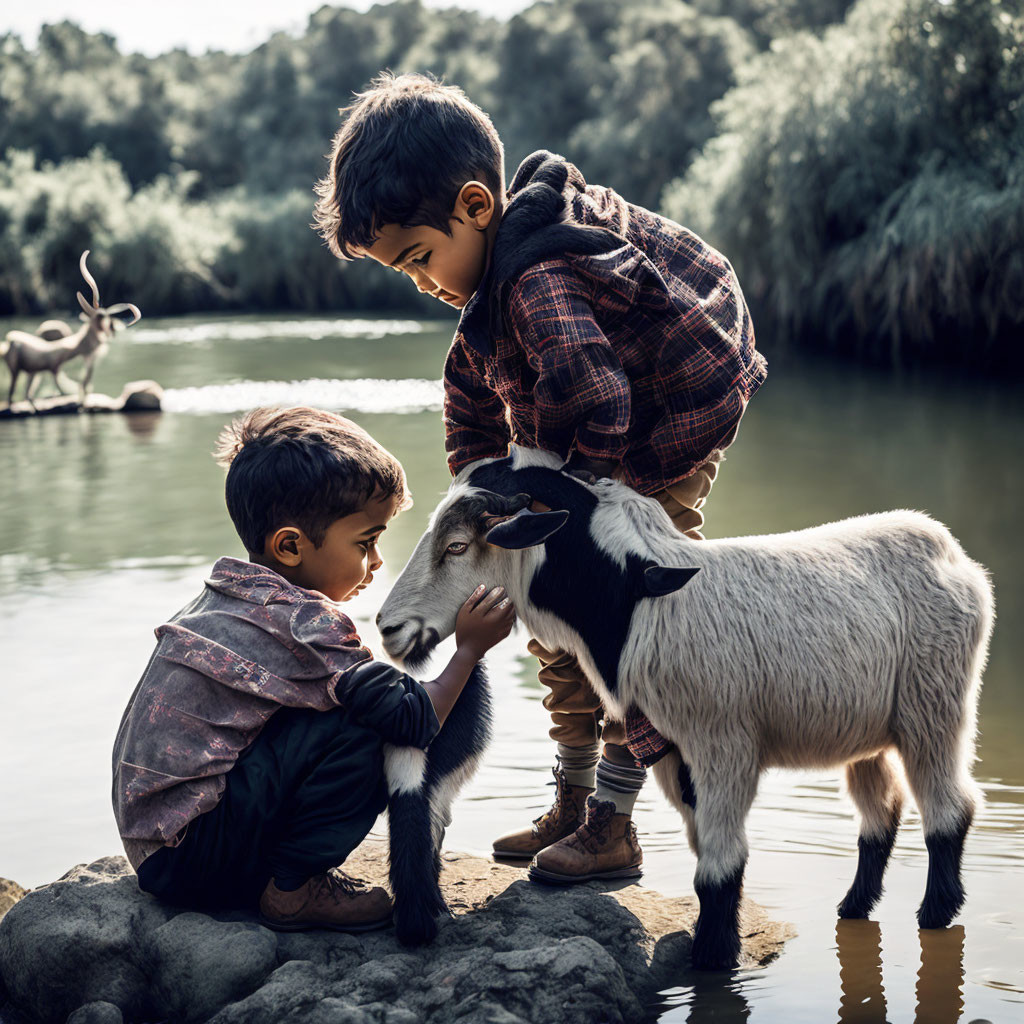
(590, 327)
(248, 764)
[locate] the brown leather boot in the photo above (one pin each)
(332, 900)
(568, 810)
(604, 846)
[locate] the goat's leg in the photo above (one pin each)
(90, 365)
(28, 388)
(875, 788)
(723, 794)
(673, 777)
(56, 380)
(935, 730)
(946, 797)
(14, 380)
(418, 899)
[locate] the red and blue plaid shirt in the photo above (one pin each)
(641, 352)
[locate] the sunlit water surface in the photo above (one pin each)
(108, 524)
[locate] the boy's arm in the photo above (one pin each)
(475, 423)
(582, 389)
(410, 713)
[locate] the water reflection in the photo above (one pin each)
(710, 997)
(108, 523)
(940, 980)
(727, 997)
(859, 947)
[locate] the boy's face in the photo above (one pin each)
(348, 557)
(449, 267)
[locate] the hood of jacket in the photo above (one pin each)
(536, 225)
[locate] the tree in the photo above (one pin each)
(867, 184)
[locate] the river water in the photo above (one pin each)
(109, 523)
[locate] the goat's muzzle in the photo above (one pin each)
(409, 641)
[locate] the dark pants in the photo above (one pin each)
(297, 802)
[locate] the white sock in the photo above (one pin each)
(579, 764)
(619, 784)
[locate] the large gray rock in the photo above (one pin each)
(94, 948)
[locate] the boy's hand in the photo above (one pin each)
(484, 620)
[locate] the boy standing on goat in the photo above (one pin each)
(590, 327)
(249, 764)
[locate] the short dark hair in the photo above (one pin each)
(405, 148)
(302, 466)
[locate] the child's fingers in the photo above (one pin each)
(474, 598)
(490, 600)
(503, 609)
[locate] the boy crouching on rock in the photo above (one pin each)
(249, 764)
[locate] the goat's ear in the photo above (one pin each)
(526, 529)
(660, 580)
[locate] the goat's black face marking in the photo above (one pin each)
(578, 582)
(472, 511)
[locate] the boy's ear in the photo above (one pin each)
(475, 204)
(285, 544)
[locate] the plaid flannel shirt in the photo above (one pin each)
(637, 349)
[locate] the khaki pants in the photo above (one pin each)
(575, 709)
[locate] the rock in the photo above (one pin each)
(96, 1013)
(141, 396)
(10, 893)
(136, 396)
(94, 948)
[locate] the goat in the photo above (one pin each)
(829, 646)
(33, 354)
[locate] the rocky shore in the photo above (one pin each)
(91, 948)
(136, 396)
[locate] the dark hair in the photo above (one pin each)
(405, 148)
(302, 466)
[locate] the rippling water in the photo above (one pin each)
(108, 524)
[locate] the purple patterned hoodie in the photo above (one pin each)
(249, 644)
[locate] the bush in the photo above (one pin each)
(867, 184)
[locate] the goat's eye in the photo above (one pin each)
(457, 548)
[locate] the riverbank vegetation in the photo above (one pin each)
(862, 164)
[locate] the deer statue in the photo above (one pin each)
(34, 353)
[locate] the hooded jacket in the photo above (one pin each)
(602, 328)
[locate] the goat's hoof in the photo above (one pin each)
(415, 928)
(852, 909)
(931, 917)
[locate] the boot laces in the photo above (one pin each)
(555, 810)
(336, 883)
(593, 833)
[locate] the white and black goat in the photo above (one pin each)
(823, 647)
(56, 344)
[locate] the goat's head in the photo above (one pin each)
(103, 320)
(520, 523)
(474, 537)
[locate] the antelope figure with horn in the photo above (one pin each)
(33, 354)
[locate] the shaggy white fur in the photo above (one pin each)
(840, 645)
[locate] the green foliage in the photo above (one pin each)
(668, 66)
(861, 164)
(771, 19)
(166, 252)
(867, 184)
